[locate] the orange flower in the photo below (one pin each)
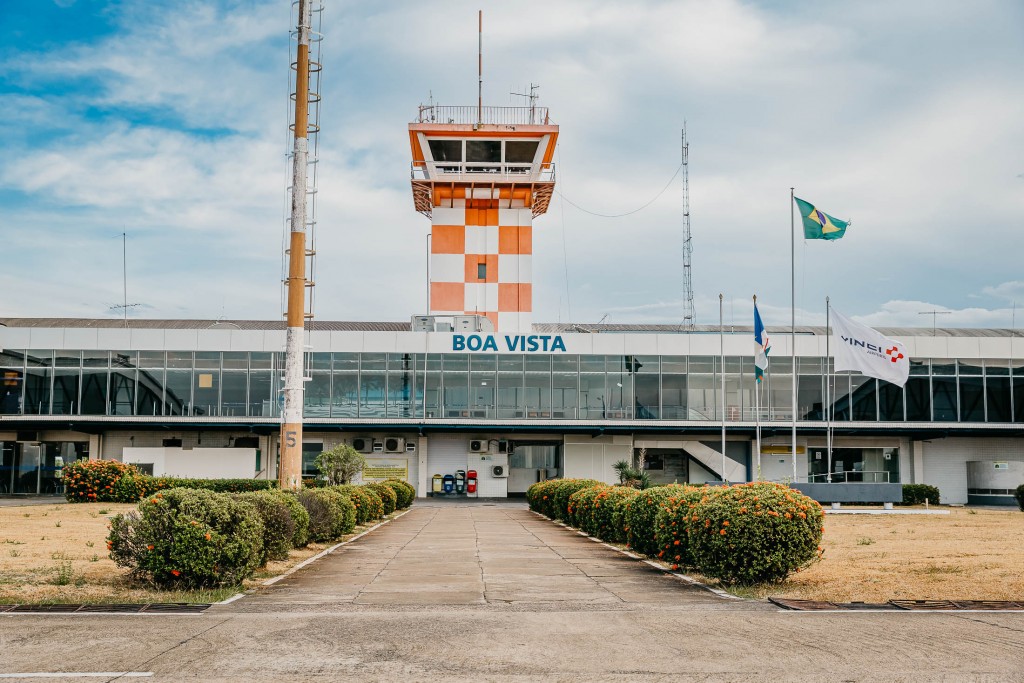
(675, 567)
(676, 542)
(725, 523)
(722, 532)
(176, 572)
(150, 547)
(207, 536)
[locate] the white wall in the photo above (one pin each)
(197, 463)
(592, 458)
(945, 461)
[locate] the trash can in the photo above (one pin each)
(471, 483)
(448, 484)
(460, 481)
(436, 484)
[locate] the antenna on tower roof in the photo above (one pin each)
(532, 97)
(480, 68)
(689, 314)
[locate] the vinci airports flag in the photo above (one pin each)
(864, 350)
(818, 225)
(761, 346)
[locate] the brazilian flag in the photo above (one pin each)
(818, 225)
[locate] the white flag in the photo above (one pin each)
(864, 350)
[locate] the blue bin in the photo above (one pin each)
(448, 483)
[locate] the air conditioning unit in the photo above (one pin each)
(423, 323)
(499, 471)
(478, 445)
(363, 444)
(378, 446)
(410, 446)
(394, 444)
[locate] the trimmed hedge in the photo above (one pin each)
(331, 514)
(406, 492)
(540, 497)
(581, 507)
(278, 524)
(754, 533)
(562, 492)
(299, 515)
(608, 516)
(387, 496)
(916, 494)
(672, 522)
(368, 504)
(188, 538)
(640, 514)
(1019, 495)
(110, 481)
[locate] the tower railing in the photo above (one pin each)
(491, 116)
(456, 171)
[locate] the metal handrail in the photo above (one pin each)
(491, 116)
(845, 479)
(455, 170)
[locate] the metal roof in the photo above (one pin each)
(544, 328)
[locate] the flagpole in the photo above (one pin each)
(757, 414)
(828, 392)
(721, 341)
(792, 290)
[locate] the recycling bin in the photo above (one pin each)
(448, 484)
(436, 484)
(471, 483)
(460, 481)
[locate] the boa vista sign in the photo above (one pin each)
(509, 343)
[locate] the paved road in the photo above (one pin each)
(493, 593)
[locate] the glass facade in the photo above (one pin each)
(499, 386)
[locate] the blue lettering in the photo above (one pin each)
(458, 342)
(872, 347)
(558, 344)
(512, 343)
(531, 343)
(545, 338)
(474, 342)
(490, 344)
(858, 342)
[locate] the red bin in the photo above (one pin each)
(471, 481)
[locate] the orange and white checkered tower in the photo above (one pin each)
(482, 174)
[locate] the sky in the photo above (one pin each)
(166, 120)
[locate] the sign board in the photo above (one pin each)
(392, 468)
(783, 450)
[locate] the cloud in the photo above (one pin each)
(1009, 291)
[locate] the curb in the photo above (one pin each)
(682, 577)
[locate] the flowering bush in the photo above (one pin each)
(671, 522)
(100, 481)
(299, 515)
(754, 533)
(406, 492)
(331, 513)
(541, 496)
(188, 538)
(369, 506)
(640, 513)
(387, 496)
(608, 515)
(581, 507)
(562, 492)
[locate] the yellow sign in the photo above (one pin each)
(386, 469)
(782, 450)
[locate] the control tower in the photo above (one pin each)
(482, 174)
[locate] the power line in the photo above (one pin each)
(628, 213)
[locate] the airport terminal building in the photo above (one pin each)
(201, 398)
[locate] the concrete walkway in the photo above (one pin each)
(480, 555)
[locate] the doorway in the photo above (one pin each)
(530, 462)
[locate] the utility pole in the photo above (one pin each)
(290, 468)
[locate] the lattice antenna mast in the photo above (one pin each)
(689, 314)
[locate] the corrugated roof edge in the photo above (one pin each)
(543, 328)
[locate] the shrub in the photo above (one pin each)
(149, 485)
(671, 521)
(540, 496)
(915, 494)
(299, 515)
(387, 496)
(581, 507)
(100, 481)
(405, 491)
(368, 504)
(1019, 495)
(640, 513)
(278, 525)
(754, 533)
(331, 514)
(608, 516)
(188, 538)
(558, 499)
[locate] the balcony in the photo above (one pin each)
(487, 116)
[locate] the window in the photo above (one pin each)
(445, 150)
(481, 271)
(520, 151)
(486, 151)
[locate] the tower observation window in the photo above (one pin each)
(446, 150)
(520, 151)
(485, 151)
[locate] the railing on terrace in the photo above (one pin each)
(866, 477)
(472, 170)
(493, 116)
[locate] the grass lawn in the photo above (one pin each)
(967, 555)
(58, 554)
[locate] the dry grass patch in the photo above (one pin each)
(967, 555)
(58, 554)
